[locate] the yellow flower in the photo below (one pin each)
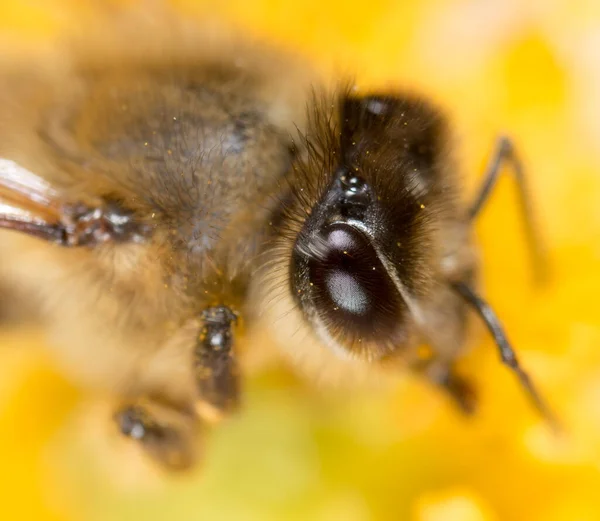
(503, 66)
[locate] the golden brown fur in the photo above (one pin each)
(194, 144)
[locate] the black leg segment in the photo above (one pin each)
(505, 153)
(167, 433)
(507, 353)
(214, 360)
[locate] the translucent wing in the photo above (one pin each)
(29, 204)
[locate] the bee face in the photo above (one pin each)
(365, 249)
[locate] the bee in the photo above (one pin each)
(158, 212)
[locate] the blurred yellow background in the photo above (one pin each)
(531, 69)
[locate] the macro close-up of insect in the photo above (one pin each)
(279, 261)
(152, 197)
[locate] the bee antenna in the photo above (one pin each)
(316, 248)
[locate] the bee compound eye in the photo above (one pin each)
(350, 288)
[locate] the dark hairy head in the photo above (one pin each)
(364, 249)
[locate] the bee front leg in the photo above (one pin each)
(168, 434)
(443, 374)
(505, 349)
(460, 389)
(506, 154)
(215, 365)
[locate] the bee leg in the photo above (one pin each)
(460, 389)
(169, 435)
(507, 353)
(505, 153)
(216, 369)
(443, 374)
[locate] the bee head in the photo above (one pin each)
(364, 253)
